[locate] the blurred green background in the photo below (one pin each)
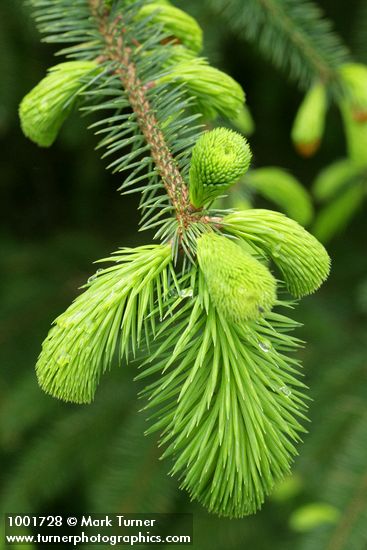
(60, 211)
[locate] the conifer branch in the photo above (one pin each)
(164, 87)
(116, 50)
(294, 34)
(299, 40)
(227, 395)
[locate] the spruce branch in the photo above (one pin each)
(135, 59)
(293, 33)
(228, 398)
(143, 70)
(117, 51)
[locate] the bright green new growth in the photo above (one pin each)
(176, 22)
(280, 187)
(301, 258)
(45, 108)
(216, 92)
(228, 401)
(240, 287)
(309, 123)
(220, 157)
(105, 323)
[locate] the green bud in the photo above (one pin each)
(240, 287)
(301, 258)
(215, 92)
(44, 109)
(280, 187)
(176, 22)
(219, 158)
(308, 127)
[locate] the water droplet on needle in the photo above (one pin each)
(265, 346)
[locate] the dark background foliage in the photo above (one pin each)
(60, 211)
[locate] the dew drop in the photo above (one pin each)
(94, 277)
(265, 346)
(187, 293)
(63, 359)
(285, 390)
(277, 250)
(63, 323)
